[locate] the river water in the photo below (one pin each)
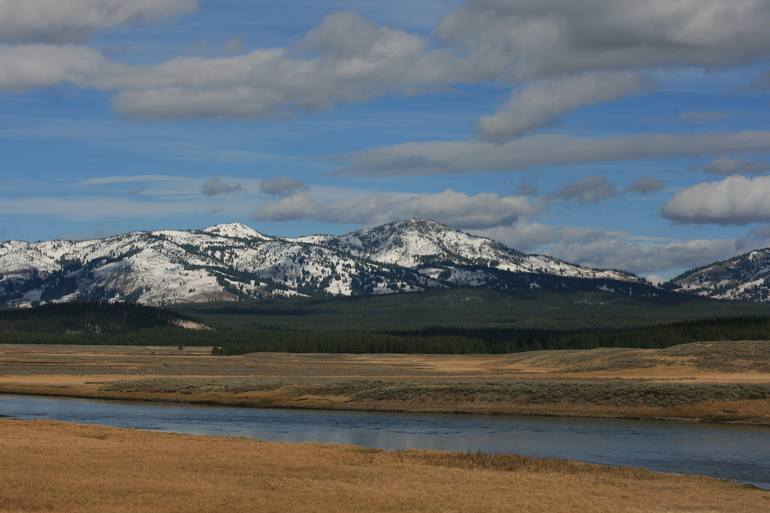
(732, 452)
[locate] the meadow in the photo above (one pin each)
(55, 467)
(715, 382)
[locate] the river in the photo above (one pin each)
(741, 453)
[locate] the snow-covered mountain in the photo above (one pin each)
(234, 261)
(744, 277)
(425, 244)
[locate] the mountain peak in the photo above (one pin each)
(236, 231)
(423, 222)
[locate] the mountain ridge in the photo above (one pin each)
(744, 277)
(228, 262)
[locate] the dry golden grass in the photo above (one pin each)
(725, 381)
(62, 468)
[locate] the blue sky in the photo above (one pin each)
(645, 148)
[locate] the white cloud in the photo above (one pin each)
(451, 207)
(437, 157)
(349, 59)
(29, 66)
(72, 21)
(591, 189)
(535, 38)
(734, 200)
(345, 59)
(730, 166)
(542, 103)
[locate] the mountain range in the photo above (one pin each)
(234, 262)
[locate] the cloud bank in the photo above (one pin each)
(731, 166)
(451, 207)
(554, 37)
(73, 21)
(439, 157)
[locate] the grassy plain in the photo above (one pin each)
(55, 467)
(717, 382)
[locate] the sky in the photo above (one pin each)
(612, 133)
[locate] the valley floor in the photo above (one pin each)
(716, 382)
(67, 468)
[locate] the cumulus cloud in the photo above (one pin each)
(731, 166)
(553, 37)
(347, 59)
(734, 200)
(645, 185)
(437, 157)
(542, 103)
(217, 186)
(451, 207)
(281, 186)
(72, 21)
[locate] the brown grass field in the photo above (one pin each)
(51, 467)
(718, 381)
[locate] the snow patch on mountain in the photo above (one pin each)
(236, 231)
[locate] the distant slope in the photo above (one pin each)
(444, 321)
(744, 277)
(96, 318)
(235, 262)
(468, 309)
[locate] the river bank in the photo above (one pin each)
(94, 469)
(740, 453)
(715, 382)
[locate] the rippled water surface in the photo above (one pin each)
(733, 452)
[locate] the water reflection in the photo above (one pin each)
(733, 452)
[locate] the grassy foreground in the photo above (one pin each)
(65, 468)
(716, 382)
